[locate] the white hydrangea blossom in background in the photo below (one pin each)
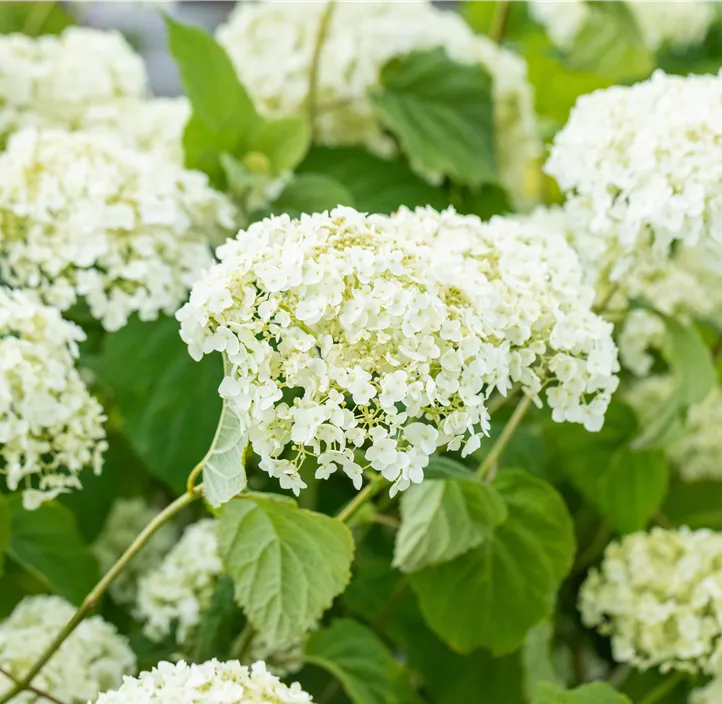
(126, 519)
(658, 595)
(678, 24)
(181, 587)
(211, 681)
(83, 217)
(640, 173)
(282, 661)
(696, 450)
(395, 337)
(94, 657)
(272, 45)
(50, 81)
(50, 426)
(710, 694)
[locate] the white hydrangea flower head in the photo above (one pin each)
(272, 46)
(639, 171)
(50, 426)
(148, 125)
(211, 681)
(658, 595)
(82, 216)
(180, 588)
(370, 341)
(677, 24)
(126, 519)
(94, 657)
(696, 450)
(50, 81)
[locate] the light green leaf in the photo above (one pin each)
(47, 542)
(33, 18)
(287, 563)
(493, 594)
(691, 362)
(441, 467)
(285, 142)
(610, 43)
(5, 521)
(376, 185)
(537, 658)
(595, 693)
(358, 658)
(442, 113)
(441, 519)
(169, 404)
(223, 116)
(311, 193)
(224, 472)
(220, 624)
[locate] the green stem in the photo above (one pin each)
(323, 26)
(368, 492)
(101, 587)
(500, 21)
(34, 690)
(504, 438)
(242, 645)
(662, 689)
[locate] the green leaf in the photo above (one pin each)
(311, 193)
(441, 467)
(223, 116)
(442, 113)
(595, 693)
(169, 404)
(33, 18)
(358, 658)
(691, 362)
(441, 519)
(493, 594)
(224, 472)
(285, 142)
(5, 521)
(537, 658)
(694, 504)
(220, 624)
(610, 43)
(287, 563)
(48, 544)
(376, 185)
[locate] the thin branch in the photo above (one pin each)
(243, 644)
(506, 435)
(34, 690)
(367, 493)
(663, 688)
(500, 21)
(323, 25)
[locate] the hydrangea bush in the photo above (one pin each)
(381, 365)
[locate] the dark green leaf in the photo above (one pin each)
(220, 624)
(376, 185)
(595, 693)
(442, 113)
(443, 518)
(287, 563)
(169, 404)
(311, 193)
(223, 116)
(694, 504)
(360, 661)
(537, 658)
(48, 544)
(493, 594)
(5, 520)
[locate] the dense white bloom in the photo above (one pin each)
(678, 24)
(126, 520)
(211, 681)
(272, 45)
(180, 588)
(50, 426)
(83, 216)
(92, 659)
(51, 80)
(396, 329)
(641, 173)
(659, 596)
(696, 449)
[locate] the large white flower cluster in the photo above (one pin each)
(50, 426)
(272, 45)
(211, 681)
(696, 449)
(677, 24)
(83, 217)
(659, 596)
(180, 588)
(126, 519)
(52, 80)
(344, 331)
(94, 658)
(640, 173)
